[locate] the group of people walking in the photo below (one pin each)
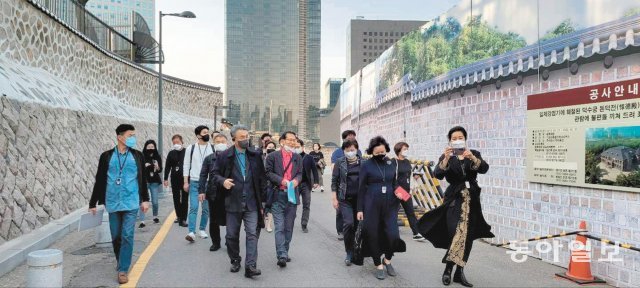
(233, 183)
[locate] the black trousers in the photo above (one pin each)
(348, 209)
(339, 221)
(305, 194)
(214, 221)
(180, 201)
(407, 206)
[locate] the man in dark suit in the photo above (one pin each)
(310, 181)
(239, 173)
(283, 167)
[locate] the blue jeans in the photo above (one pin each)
(154, 189)
(284, 216)
(122, 224)
(193, 208)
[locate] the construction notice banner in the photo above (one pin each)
(587, 136)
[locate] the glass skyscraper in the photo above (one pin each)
(272, 60)
(117, 13)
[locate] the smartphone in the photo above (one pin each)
(457, 150)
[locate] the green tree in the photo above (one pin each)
(593, 173)
(565, 27)
(630, 180)
(632, 11)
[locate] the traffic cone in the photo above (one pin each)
(580, 271)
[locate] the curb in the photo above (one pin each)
(14, 252)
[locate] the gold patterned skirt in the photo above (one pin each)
(457, 248)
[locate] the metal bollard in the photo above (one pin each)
(103, 232)
(45, 268)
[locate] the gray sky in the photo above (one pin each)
(194, 48)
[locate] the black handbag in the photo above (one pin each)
(358, 251)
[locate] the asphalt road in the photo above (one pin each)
(317, 260)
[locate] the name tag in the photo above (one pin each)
(384, 189)
(466, 183)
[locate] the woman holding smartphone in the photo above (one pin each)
(459, 220)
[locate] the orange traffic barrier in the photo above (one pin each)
(579, 269)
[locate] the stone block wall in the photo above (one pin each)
(61, 99)
(514, 207)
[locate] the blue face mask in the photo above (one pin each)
(131, 142)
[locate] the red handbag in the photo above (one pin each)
(400, 192)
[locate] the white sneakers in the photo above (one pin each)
(191, 237)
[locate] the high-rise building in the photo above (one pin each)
(118, 13)
(272, 60)
(367, 39)
(332, 92)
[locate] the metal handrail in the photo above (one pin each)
(77, 17)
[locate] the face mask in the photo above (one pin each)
(177, 147)
(205, 138)
(244, 144)
(458, 144)
(287, 148)
(403, 153)
(379, 156)
(151, 151)
(220, 147)
(350, 154)
(270, 150)
(130, 142)
(297, 150)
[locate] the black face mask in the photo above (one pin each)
(151, 151)
(244, 144)
(205, 138)
(379, 156)
(270, 150)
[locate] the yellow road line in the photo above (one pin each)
(143, 260)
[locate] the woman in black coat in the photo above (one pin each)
(378, 207)
(153, 170)
(458, 221)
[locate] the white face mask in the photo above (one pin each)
(288, 148)
(404, 153)
(297, 150)
(350, 154)
(220, 147)
(458, 144)
(177, 147)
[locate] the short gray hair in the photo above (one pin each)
(237, 128)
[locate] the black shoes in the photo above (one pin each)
(156, 220)
(340, 236)
(214, 247)
(142, 225)
(304, 229)
(446, 276)
(282, 262)
(183, 223)
(235, 266)
(459, 277)
(249, 272)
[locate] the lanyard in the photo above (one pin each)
(383, 174)
(121, 164)
(202, 153)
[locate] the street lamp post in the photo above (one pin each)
(185, 14)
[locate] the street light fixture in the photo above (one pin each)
(185, 14)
